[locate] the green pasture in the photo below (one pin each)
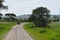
(41, 33)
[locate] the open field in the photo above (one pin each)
(40, 33)
(4, 28)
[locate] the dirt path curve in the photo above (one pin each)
(18, 33)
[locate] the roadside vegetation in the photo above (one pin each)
(41, 33)
(41, 26)
(5, 27)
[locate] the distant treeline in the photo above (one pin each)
(11, 17)
(8, 17)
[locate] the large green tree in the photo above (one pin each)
(10, 16)
(40, 17)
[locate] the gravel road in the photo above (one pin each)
(18, 33)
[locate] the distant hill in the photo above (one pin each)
(23, 16)
(28, 15)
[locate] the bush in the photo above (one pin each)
(43, 31)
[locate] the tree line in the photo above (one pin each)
(8, 17)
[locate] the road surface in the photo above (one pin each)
(18, 33)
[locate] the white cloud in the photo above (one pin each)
(26, 6)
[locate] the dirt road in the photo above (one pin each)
(18, 33)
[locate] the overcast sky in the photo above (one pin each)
(20, 7)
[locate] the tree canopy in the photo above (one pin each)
(40, 16)
(2, 6)
(10, 16)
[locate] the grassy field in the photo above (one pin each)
(40, 33)
(4, 28)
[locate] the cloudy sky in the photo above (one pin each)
(20, 7)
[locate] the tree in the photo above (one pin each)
(2, 6)
(56, 18)
(10, 16)
(40, 17)
(1, 16)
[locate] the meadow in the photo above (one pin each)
(5, 27)
(41, 33)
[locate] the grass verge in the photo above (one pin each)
(4, 28)
(40, 33)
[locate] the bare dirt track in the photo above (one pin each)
(18, 33)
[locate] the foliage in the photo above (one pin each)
(40, 17)
(1, 16)
(10, 16)
(56, 19)
(2, 6)
(43, 31)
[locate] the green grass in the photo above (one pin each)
(40, 33)
(4, 28)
